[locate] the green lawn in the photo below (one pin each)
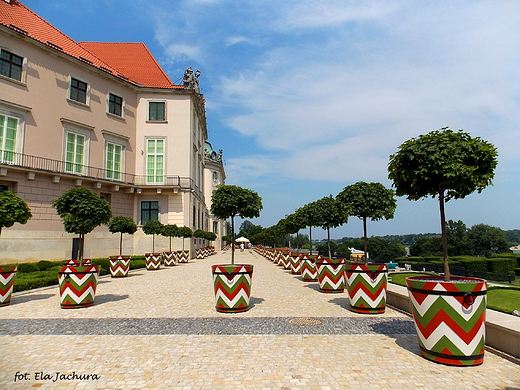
(504, 299)
(501, 299)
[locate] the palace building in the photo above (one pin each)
(105, 116)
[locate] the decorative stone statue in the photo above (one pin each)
(190, 80)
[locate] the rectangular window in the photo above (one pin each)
(156, 111)
(74, 153)
(215, 227)
(149, 211)
(115, 104)
(8, 129)
(155, 160)
(113, 160)
(11, 65)
(78, 91)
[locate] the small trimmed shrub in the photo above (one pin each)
(25, 268)
(45, 264)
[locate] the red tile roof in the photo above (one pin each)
(132, 62)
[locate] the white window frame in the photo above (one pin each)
(23, 79)
(76, 129)
(122, 116)
(119, 140)
(163, 154)
(17, 112)
(87, 98)
(165, 120)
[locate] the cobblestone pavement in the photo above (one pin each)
(160, 330)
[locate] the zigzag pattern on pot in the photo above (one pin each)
(232, 291)
(308, 270)
(6, 287)
(77, 289)
(119, 268)
(364, 292)
(331, 278)
(449, 326)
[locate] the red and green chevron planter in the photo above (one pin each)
(308, 269)
(119, 266)
(366, 286)
(449, 318)
(169, 259)
(78, 285)
(183, 255)
(295, 263)
(331, 275)
(153, 261)
(7, 276)
(232, 285)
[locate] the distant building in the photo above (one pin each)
(515, 249)
(105, 116)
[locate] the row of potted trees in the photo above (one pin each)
(81, 211)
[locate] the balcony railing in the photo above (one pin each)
(12, 159)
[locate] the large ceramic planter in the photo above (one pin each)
(331, 275)
(183, 255)
(366, 286)
(78, 285)
(7, 276)
(153, 261)
(295, 263)
(119, 266)
(232, 285)
(308, 268)
(449, 318)
(199, 253)
(169, 259)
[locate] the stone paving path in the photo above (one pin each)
(160, 330)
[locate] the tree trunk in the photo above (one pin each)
(80, 249)
(365, 239)
(232, 239)
(120, 244)
(310, 239)
(328, 242)
(447, 275)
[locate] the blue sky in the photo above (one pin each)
(307, 97)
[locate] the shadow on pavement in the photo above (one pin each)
(100, 299)
(29, 298)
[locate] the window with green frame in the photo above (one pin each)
(149, 211)
(74, 153)
(113, 160)
(8, 130)
(156, 111)
(155, 160)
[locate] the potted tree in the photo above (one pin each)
(200, 253)
(81, 211)
(367, 282)
(306, 217)
(330, 213)
(170, 257)
(183, 255)
(120, 264)
(153, 259)
(232, 282)
(13, 209)
(210, 236)
(449, 312)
